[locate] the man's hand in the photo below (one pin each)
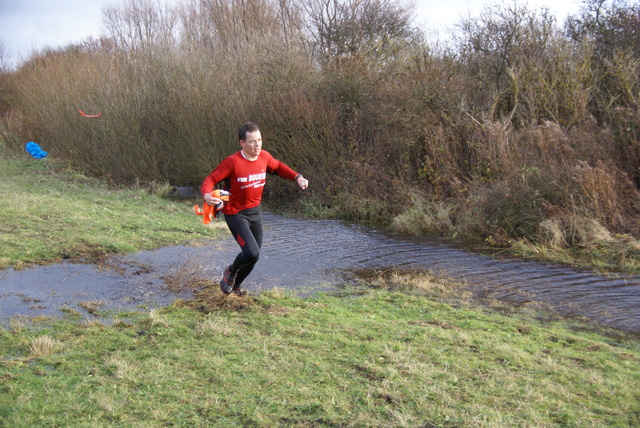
(302, 182)
(216, 198)
(210, 200)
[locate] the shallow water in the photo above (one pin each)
(310, 255)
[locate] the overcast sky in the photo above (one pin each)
(28, 25)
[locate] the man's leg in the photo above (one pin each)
(255, 225)
(246, 228)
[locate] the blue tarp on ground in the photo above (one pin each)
(35, 150)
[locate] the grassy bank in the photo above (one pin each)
(48, 213)
(381, 358)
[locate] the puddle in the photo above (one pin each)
(311, 255)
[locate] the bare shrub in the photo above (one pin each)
(425, 217)
(552, 233)
(445, 160)
(610, 27)
(600, 189)
(514, 209)
(370, 29)
(139, 24)
(4, 63)
(493, 45)
(589, 232)
(235, 26)
(491, 151)
(546, 147)
(557, 85)
(574, 229)
(168, 114)
(624, 76)
(622, 141)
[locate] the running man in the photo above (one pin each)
(244, 175)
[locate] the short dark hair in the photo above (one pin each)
(246, 128)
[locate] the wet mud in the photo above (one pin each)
(310, 256)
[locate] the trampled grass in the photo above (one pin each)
(379, 359)
(48, 215)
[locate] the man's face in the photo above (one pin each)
(252, 145)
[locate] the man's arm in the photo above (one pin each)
(221, 172)
(284, 171)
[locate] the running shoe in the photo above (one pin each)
(228, 280)
(237, 291)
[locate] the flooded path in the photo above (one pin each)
(311, 255)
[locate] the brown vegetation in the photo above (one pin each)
(518, 130)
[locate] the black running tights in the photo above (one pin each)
(246, 228)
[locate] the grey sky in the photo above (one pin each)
(28, 25)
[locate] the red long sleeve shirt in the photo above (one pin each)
(245, 179)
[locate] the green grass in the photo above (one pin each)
(48, 215)
(378, 359)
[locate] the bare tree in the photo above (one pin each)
(339, 29)
(612, 28)
(139, 24)
(494, 45)
(3, 61)
(232, 25)
(609, 24)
